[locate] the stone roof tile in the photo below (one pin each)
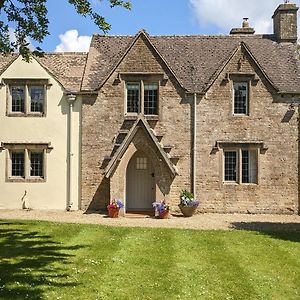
(195, 60)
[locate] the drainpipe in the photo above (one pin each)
(71, 98)
(194, 143)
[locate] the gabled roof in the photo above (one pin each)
(195, 60)
(66, 68)
(140, 123)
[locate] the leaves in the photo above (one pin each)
(29, 17)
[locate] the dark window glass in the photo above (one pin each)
(240, 97)
(150, 99)
(249, 166)
(133, 97)
(18, 98)
(230, 166)
(36, 164)
(36, 98)
(17, 164)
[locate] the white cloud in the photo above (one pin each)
(72, 42)
(226, 14)
(12, 38)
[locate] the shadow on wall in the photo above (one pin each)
(101, 197)
(276, 230)
(27, 259)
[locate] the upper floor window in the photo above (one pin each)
(26, 98)
(241, 98)
(142, 97)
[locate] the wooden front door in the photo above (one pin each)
(140, 183)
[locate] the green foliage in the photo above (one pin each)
(29, 17)
(43, 260)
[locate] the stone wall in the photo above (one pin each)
(103, 118)
(270, 120)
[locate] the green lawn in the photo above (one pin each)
(43, 260)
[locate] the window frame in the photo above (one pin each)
(26, 150)
(27, 84)
(241, 81)
(239, 165)
(141, 83)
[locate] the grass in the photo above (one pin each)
(43, 260)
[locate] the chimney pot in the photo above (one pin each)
(245, 23)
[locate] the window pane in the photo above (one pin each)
(249, 166)
(150, 98)
(17, 164)
(240, 97)
(230, 164)
(133, 97)
(17, 98)
(36, 164)
(141, 163)
(36, 98)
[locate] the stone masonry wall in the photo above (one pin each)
(271, 121)
(102, 120)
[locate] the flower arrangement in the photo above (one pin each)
(115, 204)
(187, 199)
(161, 207)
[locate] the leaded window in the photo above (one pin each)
(230, 164)
(150, 98)
(17, 164)
(36, 164)
(141, 163)
(240, 165)
(18, 99)
(249, 166)
(36, 98)
(240, 97)
(133, 97)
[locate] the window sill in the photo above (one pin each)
(239, 184)
(23, 180)
(147, 117)
(24, 115)
(240, 115)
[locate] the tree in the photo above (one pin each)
(30, 20)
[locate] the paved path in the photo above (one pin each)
(199, 221)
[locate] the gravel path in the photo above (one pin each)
(198, 221)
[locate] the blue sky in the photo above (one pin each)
(71, 32)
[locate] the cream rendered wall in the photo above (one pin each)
(53, 128)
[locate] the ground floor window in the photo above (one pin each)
(26, 162)
(240, 165)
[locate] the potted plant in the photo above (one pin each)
(188, 204)
(114, 208)
(162, 209)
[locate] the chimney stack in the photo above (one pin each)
(246, 29)
(285, 23)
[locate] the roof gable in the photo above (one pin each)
(142, 35)
(140, 123)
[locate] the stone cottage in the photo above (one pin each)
(140, 118)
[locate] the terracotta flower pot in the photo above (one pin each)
(187, 211)
(164, 215)
(113, 212)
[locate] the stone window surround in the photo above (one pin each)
(148, 77)
(26, 147)
(249, 78)
(238, 151)
(8, 83)
(259, 146)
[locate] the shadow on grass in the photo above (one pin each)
(283, 231)
(30, 262)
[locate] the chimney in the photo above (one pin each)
(245, 28)
(285, 22)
